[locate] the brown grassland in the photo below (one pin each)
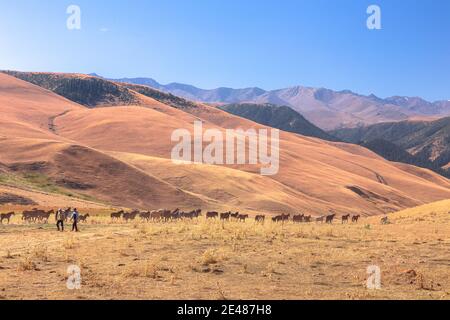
(215, 260)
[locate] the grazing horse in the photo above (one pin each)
(83, 218)
(298, 218)
(6, 216)
(329, 219)
(212, 215)
(385, 220)
(242, 217)
(307, 219)
(320, 219)
(345, 218)
(260, 219)
(225, 216)
(356, 218)
(285, 217)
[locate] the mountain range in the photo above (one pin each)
(72, 138)
(325, 108)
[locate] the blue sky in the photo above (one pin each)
(239, 43)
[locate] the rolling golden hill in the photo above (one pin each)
(120, 155)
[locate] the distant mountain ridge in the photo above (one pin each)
(325, 108)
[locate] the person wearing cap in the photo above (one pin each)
(60, 217)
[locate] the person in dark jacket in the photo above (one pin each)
(75, 216)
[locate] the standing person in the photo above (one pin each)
(75, 216)
(60, 217)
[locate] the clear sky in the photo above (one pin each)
(238, 43)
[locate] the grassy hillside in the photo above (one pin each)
(85, 90)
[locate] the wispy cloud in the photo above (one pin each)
(104, 29)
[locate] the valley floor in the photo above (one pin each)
(213, 260)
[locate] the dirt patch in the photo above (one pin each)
(366, 194)
(27, 167)
(9, 198)
(74, 185)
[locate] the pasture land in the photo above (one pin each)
(211, 259)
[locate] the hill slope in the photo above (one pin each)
(283, 118)
(122, 155)
(426, 139)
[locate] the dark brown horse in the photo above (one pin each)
(242, 217)
(212, 215)
(329, 219)
(356, 218)
(83, 218)
(225, 216)
(345, 218)
(117, 215)
(6, 216)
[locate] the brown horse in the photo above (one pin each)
(242, 217)
(329, 219)
(212, 215)
(6, 216)
(117, 215)
(298, 218)
(225, 216)
(356, 218)
(44, 216)
(320, 219)
(130, 216)
(345, 218)
(83, 218)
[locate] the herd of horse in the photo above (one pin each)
(177, 214)
(164, 215)
(40, 216)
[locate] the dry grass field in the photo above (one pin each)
(231, 260)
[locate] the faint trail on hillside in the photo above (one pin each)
(51, 121)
